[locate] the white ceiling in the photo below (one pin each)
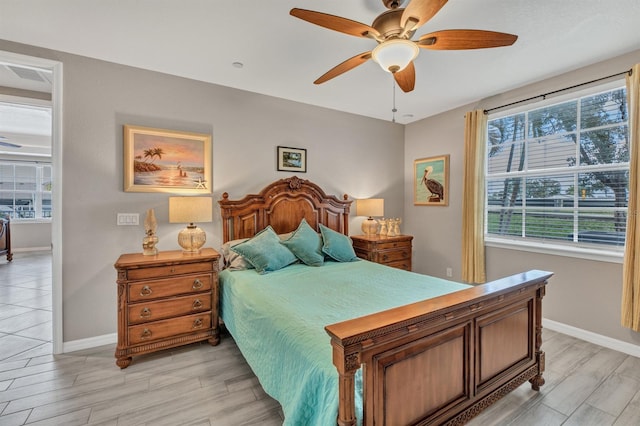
(282, 55)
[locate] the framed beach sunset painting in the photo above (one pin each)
(160, 160)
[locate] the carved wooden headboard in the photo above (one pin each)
(282, 205)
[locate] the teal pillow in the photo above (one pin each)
(306, 245)
(336, 245)
(265, 252)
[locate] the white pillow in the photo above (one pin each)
(232, 260)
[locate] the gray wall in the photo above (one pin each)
(583, 293)
(27, 236)
(349, 154)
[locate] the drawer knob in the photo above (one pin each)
(385, 257)
(197, 323)
(146, 333)
(197, 284)
(172, 270)
(146, 291)
(197, 304)
(145, 313)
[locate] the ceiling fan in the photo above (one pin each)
(3, 142)
(393, 30)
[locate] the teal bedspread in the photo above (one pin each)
(278, 320)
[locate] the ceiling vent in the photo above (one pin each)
(30, 74)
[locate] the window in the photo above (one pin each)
(25, 190)
(558, 174)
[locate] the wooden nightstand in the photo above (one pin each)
(390, 251)
(166, 300)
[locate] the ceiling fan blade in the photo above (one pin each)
(335, 23)
(406, 78)
(420, 11)
(465, 39)
(343, 67)
(10, 145)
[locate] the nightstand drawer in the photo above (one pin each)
(168, 328)
(185, 305)
(393, 255)
(148, 290)
(394, 245)
(401, 264)
(167, 271)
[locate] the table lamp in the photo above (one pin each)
(190, 210)
(370, 207)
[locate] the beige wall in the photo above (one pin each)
(584, 294)
(349, 154)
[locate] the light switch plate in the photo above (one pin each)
(125, 219)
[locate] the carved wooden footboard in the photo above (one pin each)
(443, 360)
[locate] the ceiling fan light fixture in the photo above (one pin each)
(395, 54)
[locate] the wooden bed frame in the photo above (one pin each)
(5, 238)
(438, 361)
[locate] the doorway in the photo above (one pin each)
(31, 66)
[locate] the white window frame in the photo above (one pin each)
(38, 191)
(597, 252)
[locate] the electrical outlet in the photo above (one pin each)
(128, 219)
(449, 272)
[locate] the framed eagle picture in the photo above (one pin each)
(431, 181)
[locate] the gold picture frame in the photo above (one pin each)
(431, 181)
(161, 160)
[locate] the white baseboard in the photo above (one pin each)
(89, 343)
(598, 339)
(28, 249)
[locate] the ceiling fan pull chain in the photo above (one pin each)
(394, 110)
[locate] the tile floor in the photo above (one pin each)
(25, 305)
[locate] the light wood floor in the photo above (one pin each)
(204, 385)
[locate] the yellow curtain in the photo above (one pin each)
(631, 265)
(473, 265)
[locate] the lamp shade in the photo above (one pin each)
(394, 55)
(370, 207)
(190, 209)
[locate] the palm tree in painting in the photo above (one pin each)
(157, 152)
(148, 154)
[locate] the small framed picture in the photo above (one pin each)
(431, 181)
(292, 159)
